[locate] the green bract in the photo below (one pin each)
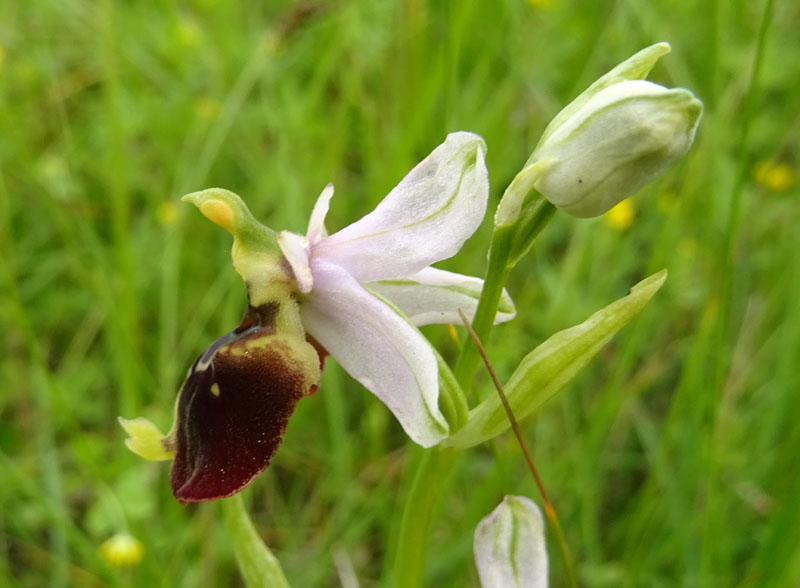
(546, 369)
(636, 67)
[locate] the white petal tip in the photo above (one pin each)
(316, 224)
(295, 249)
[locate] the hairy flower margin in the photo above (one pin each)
(312, 295)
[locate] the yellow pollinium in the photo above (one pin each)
(220, 213)
(145, 439)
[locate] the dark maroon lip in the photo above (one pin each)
(234, 408)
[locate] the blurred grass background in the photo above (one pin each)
(672, 460)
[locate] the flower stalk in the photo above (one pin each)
(258, 566)
(430, 480)
(510, 242)
(439, 463)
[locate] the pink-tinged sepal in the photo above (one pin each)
(235, 404)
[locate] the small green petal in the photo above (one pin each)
(510, 207)
(146, 440)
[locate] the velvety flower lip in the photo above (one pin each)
(235, 404)
(425, 219)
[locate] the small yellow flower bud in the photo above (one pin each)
(777, 177)
(122, 550)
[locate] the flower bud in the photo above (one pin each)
(615, 138)
(510, 547)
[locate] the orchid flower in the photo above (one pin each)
(509, 546)
(316, 295)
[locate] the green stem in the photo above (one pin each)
(493, 283)
(509, 244)
(723, 331)
(415, 527)
(259, 567)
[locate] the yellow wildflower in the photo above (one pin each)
(621, 216)
(188, 33)
(687, 248)
(122, 550)
(167, 213)
(777, 177)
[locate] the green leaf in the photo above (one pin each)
(549, 367)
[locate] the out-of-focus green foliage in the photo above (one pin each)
(672, 459)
